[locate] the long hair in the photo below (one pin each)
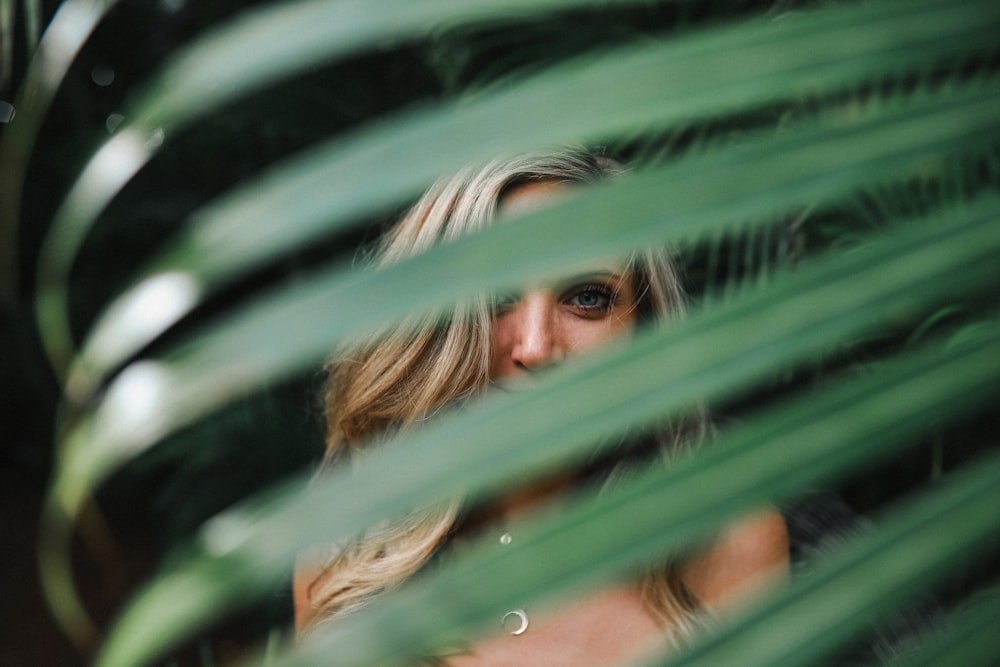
(404, 375)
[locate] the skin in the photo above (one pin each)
(542, 327)
(535, 330)
(613, 626)
(547, 323)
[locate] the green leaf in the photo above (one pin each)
(920, 545)
(586, 101)
(154, 398)
(777, 454)
(66, 34)
(890, 103)
(766, 177)
(710, 355)
(969, 637)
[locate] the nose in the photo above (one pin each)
(535, 341)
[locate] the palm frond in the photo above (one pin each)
(678, 80)
(707, 357)
(829, 175)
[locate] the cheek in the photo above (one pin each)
(583, 335)
(500, 346)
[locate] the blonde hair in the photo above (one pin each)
(405, 374)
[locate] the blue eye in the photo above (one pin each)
(592, 298)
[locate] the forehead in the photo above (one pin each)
(528, 196)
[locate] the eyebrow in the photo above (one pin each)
(618, 276)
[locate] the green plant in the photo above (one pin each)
(844, 158)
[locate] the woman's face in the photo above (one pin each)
(547, 323)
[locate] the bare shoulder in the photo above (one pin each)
(748, 556)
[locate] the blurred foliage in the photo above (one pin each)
(206, 477)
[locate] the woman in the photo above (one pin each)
(408, 373)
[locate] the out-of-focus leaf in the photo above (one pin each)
(245, 54)
(67, 32)
(591, 541)
(711, 355)
(904, 108)
(919, 546)
(586, 101)
(154, 398)
(762, 178)
(968, 639)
